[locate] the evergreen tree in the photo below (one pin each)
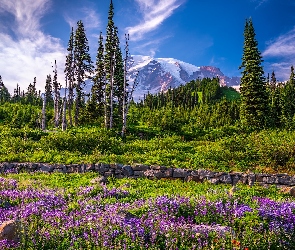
(118, 75)
(70, 74)
(83, 65)
(287, 100)
(56, 92)
(254, 106)
(4, 93)
(109, 60)
(95, 106)
(48, 90)
(31, 95)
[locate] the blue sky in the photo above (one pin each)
(33, 33)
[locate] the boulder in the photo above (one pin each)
(127, 170)
(10, 230)
(180, 173)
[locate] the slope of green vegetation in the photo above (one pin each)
(224, 149)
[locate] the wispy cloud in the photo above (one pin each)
(155, 12)
(91, 21)
(27, 51)
(89, 17)
(149, 48)
(283, 49)
(260, 2)
(283, 46)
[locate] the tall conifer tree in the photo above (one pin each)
(70, 71)
(56, 92)
(83, 65)
(97, 90)
(287, 100)
(48, 90)
(109, 60)
(254, 106)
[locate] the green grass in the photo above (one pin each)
(217, 149)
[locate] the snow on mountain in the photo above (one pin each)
(159, 74)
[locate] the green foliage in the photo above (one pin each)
(83, 66)
(19, 115)
(254, 104)
(4, 94)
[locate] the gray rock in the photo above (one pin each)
(235, 179)
(139, 173)
(287, 180)
(271, 180)
(206, 173)
(10, 230)
(226, 179)
(195, 178)
(168, 173)
(108, 174)
(140, 167)
(46, 168)
(157, 167)
(251, 179)
(180, 173)
(214, 180)
(104, 167)
(90, 167)
(127, 170)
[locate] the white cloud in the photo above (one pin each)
(281, 49)
(27, 52)
(155, 12)
(88, 16)
(149, 48)
(283, 46)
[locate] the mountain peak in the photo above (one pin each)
(159, 74)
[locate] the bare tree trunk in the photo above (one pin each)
(64, 118)
(78, 99)
(124, 108)
(106, 123)
(43, 126)
(56, 110)
(70, 104)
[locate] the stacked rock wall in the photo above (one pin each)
(155, 172)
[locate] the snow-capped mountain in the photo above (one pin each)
(159, 74)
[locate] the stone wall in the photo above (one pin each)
(155, 172)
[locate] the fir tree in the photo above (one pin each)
(254, 99)
(31, 94)
(83, 65)
(109, 61)
(287, 100)
(4, 93)
(70, 71)
(119, 74)
(56, 92)
(48, 90)
(96, 103)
